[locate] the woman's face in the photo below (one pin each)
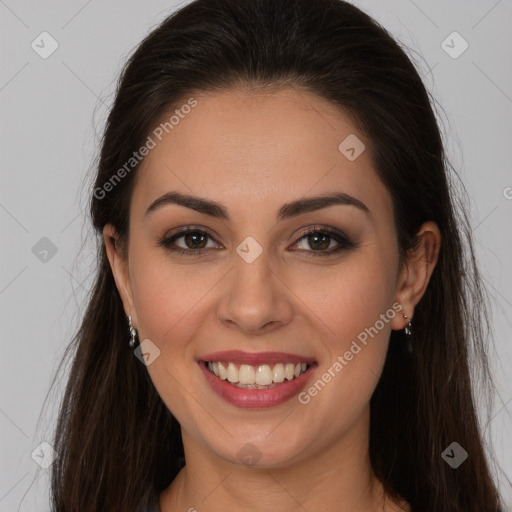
(252, 282)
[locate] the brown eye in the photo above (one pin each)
(320, 239)
(193, 238)
(194, 241)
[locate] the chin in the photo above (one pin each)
(261, 452)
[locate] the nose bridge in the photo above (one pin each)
(252, 269)
(255, 296)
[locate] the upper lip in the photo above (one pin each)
(256, 358)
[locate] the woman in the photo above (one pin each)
(278, 235)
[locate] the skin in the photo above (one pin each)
(252, 152)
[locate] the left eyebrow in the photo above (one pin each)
(286, 211)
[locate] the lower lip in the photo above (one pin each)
(256, 398)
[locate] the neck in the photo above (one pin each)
(339, 477)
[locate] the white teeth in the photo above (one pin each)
(246, 374)
(289, 371)
(223, 374)
(278, 374)
(232, 372)
(263, 375)
(256, 377)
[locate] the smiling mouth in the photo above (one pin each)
(262, 376)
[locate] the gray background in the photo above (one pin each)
(52, 113)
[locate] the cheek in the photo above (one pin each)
(170, 309)
(168, 300)
(353, 307)
(352, 296)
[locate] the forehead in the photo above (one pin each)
(251, 148)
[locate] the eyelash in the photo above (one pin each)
(343, 240)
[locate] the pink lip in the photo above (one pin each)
(256, 398)
(256, 358)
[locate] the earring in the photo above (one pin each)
(408, 334)
(408, 327)
(133, 332)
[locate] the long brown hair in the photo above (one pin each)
(117, 441)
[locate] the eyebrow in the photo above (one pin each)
(286, 211)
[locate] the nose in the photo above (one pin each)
(255, 298)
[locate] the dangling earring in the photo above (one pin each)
(133, 332)
(408, 334)
(408, 327)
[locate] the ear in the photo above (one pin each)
(416, 272)
(119, 265)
